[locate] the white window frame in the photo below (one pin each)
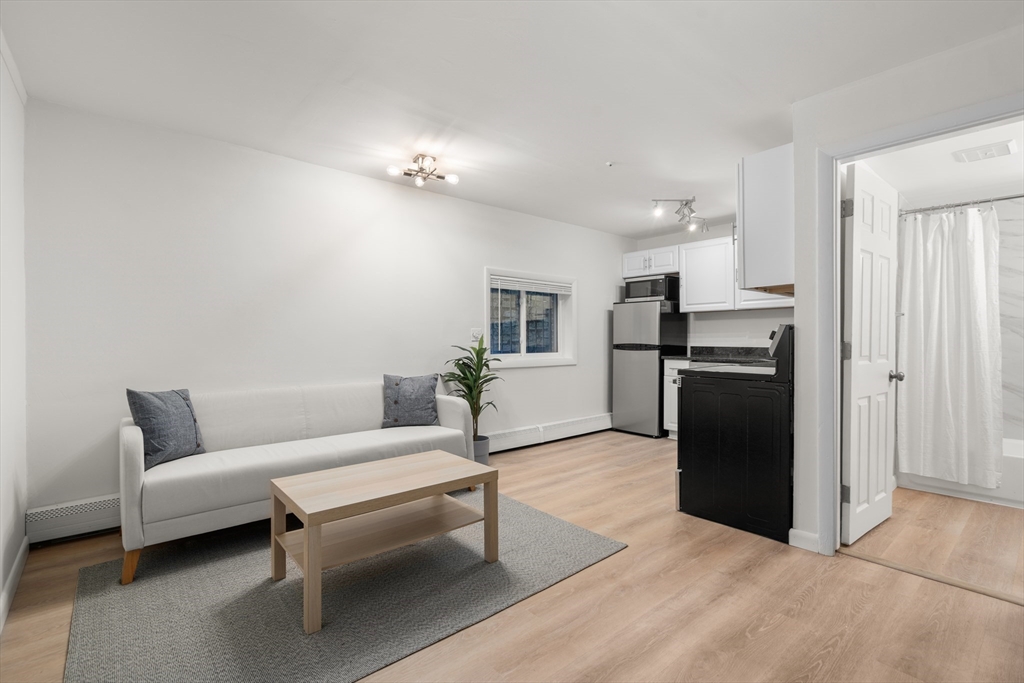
(567, 324)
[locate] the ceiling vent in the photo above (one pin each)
(996, 149)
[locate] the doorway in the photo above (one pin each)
(932, 282)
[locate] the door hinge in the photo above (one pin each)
(844, 493)
(846, 208)
(846, 351)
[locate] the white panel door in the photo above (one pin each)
(663, 260)
(706, 275)
(869, 415)
(634, 264)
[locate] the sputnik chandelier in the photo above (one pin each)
(686, 213)
(422, 170)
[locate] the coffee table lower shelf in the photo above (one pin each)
(354, 538)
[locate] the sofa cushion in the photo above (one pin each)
(410, 401)
(168, 423)
(220, 479)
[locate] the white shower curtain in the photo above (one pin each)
(949, 413)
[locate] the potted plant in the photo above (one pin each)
(470, 378)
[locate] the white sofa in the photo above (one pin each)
(252, 437)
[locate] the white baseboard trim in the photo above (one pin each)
(804, 540)
(11, 584)
(552, 431)
(77, 517)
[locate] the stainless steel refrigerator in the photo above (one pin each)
(642, 332)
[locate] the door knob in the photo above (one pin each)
(898, 376)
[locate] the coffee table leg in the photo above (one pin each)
(491, 521)
(311, 580)
(277, 526)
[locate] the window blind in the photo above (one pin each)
(547, 287)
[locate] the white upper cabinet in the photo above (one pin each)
(634, 264)
(651, 262)
(707, 275)
(663, 260)
(765, 221)
(752, 298)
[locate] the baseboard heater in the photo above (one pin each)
(552, 431)
(71, 519)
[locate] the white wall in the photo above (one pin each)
(13, 488)
(723, 328)
(941, 92)
(737, 328)
(161, 260)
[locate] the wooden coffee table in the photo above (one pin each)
(361, 510)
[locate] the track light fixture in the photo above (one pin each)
(686, 213)
(422, 170)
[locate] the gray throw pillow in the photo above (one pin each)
(168, 422)
(410, 401)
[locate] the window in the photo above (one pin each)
(530, 319)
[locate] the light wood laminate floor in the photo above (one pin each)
(687, 600)
(979, 543)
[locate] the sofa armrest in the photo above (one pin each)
(132, 475)
(454, 413)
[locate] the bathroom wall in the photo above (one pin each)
(1011, 313)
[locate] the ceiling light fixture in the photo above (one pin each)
(686, 213)
(422, 170)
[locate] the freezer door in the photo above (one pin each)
(636, 323)
(636, 392)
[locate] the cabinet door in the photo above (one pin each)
(670, 401)
(752, 298)
(663, 260)
(736, 453)
(634, 264)
(706, 276)
(765, 219)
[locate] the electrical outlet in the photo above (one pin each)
(475, 333)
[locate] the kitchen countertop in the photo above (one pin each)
(724, 354)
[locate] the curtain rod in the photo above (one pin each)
(953, 206)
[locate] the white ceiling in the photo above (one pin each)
(525, 101)
(927, 174)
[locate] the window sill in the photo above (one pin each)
(527, 362)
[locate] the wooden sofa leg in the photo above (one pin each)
(473, 487)
(131, 561)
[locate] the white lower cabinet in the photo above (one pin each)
(670, 396)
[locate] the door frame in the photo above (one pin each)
(829, 195)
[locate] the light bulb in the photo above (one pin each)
(452, 178)
(428, 162)
(419, 181)
(658, 210)
(394, 170)
(692, 226)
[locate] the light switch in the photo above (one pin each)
(475, 333)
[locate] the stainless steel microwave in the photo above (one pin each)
(654, 288)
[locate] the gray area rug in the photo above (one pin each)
(205, 608)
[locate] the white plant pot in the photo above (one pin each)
(482, 449)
